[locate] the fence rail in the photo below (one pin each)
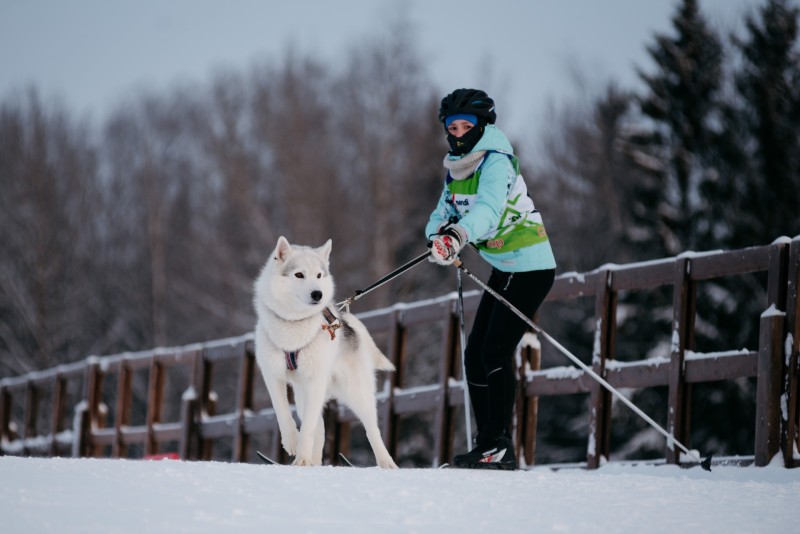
(219, 396)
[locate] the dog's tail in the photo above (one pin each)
(382, 363)
(368, 346)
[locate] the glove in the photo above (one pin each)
(447, 244)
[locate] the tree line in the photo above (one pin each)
(149, 229)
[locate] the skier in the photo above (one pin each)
(485, 202)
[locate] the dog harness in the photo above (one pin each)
(332, 324)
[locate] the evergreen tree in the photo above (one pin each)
(690, 157)
(681, 107)
(769, 84)
(582, 172)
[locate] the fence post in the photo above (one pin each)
(445, 419)
(188, 410)
(123, 416)
(398, 357)
(771, 367)
(600, 401)
(189, 404)
(87, 412)
(768, 386)
(207, 404)
(790, 391)
(527, 407)
(30, 415)
(679, 397)
(5, 414)
(57, 417)
(155, 399)
(244, 401)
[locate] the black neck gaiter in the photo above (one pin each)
(464, 144)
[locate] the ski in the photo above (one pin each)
(266, 459)
(346, 462)
(485, 467)
(705, 465)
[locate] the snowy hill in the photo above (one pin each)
(121, 496)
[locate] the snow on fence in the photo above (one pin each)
(207, 401)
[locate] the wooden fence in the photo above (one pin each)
(207, 400)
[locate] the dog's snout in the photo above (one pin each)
(316, 295)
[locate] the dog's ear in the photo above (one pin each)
(325, 250)
(283, 249)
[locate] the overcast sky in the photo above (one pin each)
(92, 54)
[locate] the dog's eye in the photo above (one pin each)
(319, 275)
(299, 275)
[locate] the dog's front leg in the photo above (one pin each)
(319, 441)
(310, 404)
(283, 412)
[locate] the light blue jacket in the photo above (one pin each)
(483, 203)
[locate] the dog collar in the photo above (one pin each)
(332, 325)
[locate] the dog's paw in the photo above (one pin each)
(289, 441)
(386, 463)
(301, 460)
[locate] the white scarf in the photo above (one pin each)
(463, 167)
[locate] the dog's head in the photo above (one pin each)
(296, 282)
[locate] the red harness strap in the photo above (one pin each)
(333, 322)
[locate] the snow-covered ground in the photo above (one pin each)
(121, 496)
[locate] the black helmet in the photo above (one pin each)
(472, 101)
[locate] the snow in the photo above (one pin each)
(530, 340)
(651, 362)
(598, 333)
(692, 254)
(563, 372)
(772, 311)
(190, 394)
(122, 496)
(634, 265)
(783, 240)
(676, 338)
(574, 277)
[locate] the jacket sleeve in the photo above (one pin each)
(491, 197)
(441, 214)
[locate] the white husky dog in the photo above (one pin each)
(323, 354)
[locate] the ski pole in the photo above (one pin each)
(705, 464)
(467, 416)
(397, 272)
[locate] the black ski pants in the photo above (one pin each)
(490, 350)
